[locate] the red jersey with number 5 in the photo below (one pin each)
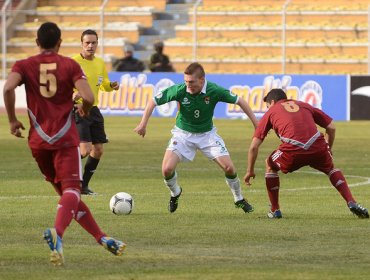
(294, 122)
(49, 81)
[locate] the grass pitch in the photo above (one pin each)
(207, 238)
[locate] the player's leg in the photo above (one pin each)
(278, 160)
(179, 149)
(84, 217)
(98, 138)
(86, 220)
(91, 165)
(323, 162)
(85, 149)
(68, 164)
(232, 180)
(169, 163)
(84, 131)
(44, 160)
(272, 186)
(213, 147)
(55, 165)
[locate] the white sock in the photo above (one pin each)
(173, 186)
(235, 188)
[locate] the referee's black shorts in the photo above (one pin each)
(91, 128)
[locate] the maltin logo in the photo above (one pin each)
(311, 93)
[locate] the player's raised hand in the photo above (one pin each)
(114, 85)
(141, 130)
(248, 176)
(15, 128)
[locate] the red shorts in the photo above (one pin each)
(60, 166)
(318, 157)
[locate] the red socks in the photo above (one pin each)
(67, 207)
(273, 185)
(87, 221)
(71, 207)
(339, 182)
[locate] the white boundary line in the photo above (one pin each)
(249, 189)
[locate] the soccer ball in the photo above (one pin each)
(121, 203)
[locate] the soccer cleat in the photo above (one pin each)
(56, 246)
(87, 191)
(243, 204)
(358, 210)
(174, 202)
(114, 246)
(275, 215)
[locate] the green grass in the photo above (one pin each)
(207, 238)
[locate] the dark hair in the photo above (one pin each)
(48, 35)
(193, 68)
(158, 46)
(275, 94)
(88, 32)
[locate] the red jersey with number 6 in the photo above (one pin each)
(49, 81)
(294, 122)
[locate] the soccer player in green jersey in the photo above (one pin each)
(194, 130)
(91, 128)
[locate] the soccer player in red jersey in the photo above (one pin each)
(49, 80)
(302, 144)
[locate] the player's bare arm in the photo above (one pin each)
(12, 82)
(141, 128)
(85, 92)
(330, 134)
(247, 110)
(252, 157)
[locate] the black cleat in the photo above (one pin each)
(174, 202)
(87, 191)
(358, 210)
(243, 204)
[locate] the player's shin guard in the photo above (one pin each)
(171, 183)
(339, 182)
(273, 186)
(67, 207)
(87, 221)
(235, 188)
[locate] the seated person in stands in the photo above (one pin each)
(128, 63)
(160, 62)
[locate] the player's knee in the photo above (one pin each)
(167, 171)
(229, 170)
(97, 152)
(71, 186)
(267, 166)
(84, 153)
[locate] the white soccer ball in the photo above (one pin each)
(121, 203)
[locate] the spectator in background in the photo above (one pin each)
(160, 62)
(128, 63)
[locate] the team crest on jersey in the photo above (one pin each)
(185, 101)
(206, 99)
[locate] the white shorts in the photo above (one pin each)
(185, 144)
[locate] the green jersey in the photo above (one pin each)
(196, 110)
